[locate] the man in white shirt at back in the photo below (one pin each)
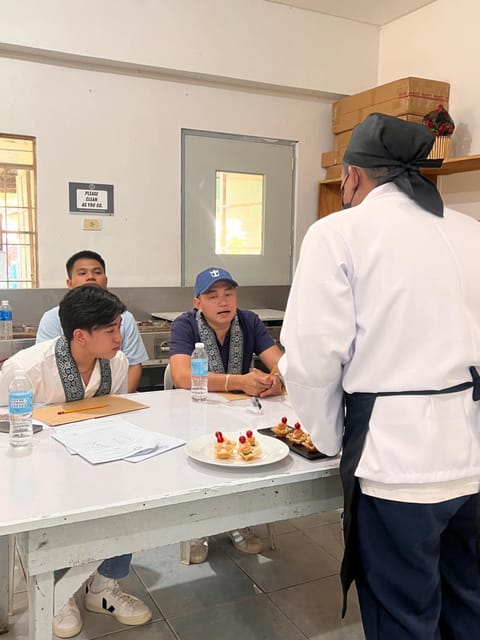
(88, 267)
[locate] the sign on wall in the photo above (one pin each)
(91, 198)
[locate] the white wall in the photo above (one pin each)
(125, 131)
(175, 64)
(441, 41)
(249, 40)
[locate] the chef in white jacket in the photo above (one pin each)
(383, 325)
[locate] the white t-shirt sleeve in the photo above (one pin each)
(132, 343)
(49, 326)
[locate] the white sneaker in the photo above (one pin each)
(245, 541)
(198, 550)
(113, 601)
(68, 621)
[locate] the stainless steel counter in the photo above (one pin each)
(9, 347)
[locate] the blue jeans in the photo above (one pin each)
(115, 568)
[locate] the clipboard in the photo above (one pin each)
(52, 415)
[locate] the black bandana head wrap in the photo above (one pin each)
(402, 148)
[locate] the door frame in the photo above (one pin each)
(242, 138)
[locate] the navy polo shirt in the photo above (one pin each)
(256, 339)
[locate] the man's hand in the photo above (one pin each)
(256, 383)
(276, 387)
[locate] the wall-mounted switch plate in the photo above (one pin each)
(92, 224)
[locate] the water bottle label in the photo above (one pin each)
(199, 367)
(20, 402)
(5, 315)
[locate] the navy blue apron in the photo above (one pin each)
(359, 407)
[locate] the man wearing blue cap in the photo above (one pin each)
(231, 337)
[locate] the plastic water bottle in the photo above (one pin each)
(199, 373)
(20, 401)
(6, 328)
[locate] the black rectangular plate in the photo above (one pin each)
(296, 448)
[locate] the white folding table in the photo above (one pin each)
(68, 513)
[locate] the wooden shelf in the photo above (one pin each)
(456, 165)
(329, 190)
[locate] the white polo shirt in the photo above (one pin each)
(41, 369)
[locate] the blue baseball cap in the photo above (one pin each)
(209, 277)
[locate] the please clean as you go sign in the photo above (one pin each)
(90, 197)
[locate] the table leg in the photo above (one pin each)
(40, 606)
(185, 552)
(3, 583)
(70, 582)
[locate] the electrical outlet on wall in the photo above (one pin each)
(92, 224)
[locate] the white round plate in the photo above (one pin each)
(202, 449)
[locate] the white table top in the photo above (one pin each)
(265, 315)
(51, 487)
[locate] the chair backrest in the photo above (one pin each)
(167, 378)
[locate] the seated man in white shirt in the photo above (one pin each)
(84, 362)
(88, 267)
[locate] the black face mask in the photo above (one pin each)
(347, 205)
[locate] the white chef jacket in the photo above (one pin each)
(41, 369)
(386, 297)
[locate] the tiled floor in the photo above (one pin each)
(291, 593)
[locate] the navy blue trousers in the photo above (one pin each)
(420, 577)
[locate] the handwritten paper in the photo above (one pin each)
(107, 439)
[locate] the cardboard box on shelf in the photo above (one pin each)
(347, 121)
(423, 88)
(340, 140)
(329, 158)
(334, 172)
(408, 96)
(411, 117)
(402, 107)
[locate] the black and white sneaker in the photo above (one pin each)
(112, 601)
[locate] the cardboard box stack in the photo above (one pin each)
(408, 99)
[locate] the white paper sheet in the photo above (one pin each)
(166, 444)
(113, 438)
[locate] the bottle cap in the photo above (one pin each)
(199, 345)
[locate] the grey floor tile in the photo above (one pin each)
(282, 526)
(329, 537)
(297, 559)
(316, 609)
(152, 631)
(253, 619)
(177, 588)
(222, 598)
(325, 517)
